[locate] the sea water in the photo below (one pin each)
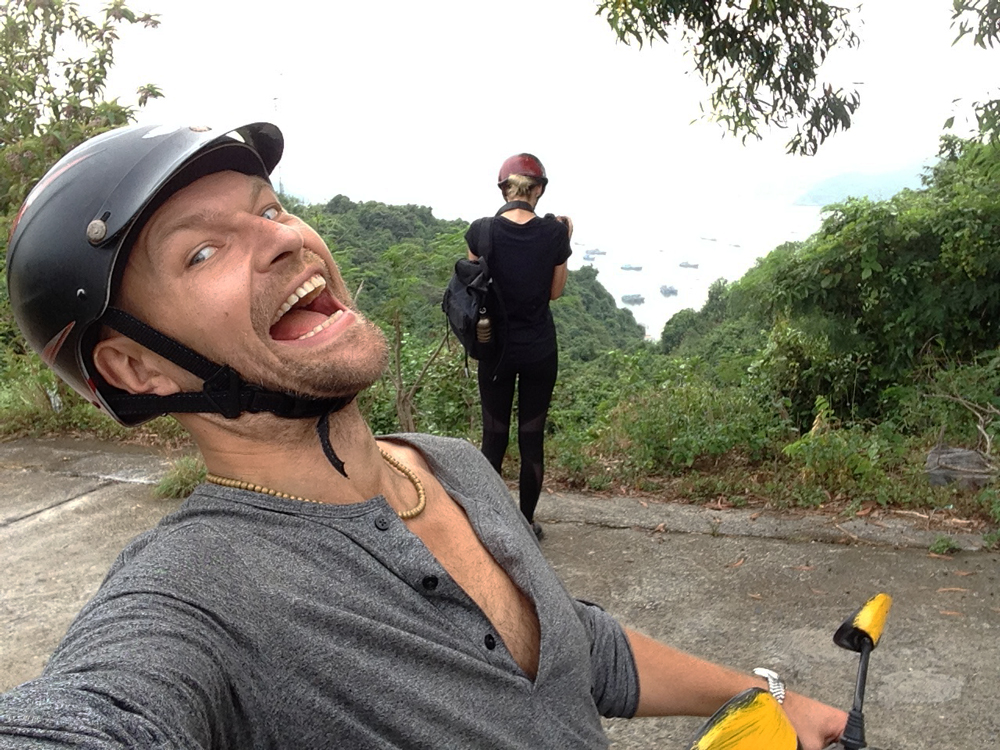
(726, 251)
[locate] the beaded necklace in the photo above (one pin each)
(403, 469)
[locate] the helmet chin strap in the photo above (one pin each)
(224, 390)
(323, 431)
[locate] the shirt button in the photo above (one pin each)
(490, 641)
(381, 523)
(430, 583)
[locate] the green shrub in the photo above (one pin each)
(989, 500)
(666, 424)
(850, 462)
(951, 399)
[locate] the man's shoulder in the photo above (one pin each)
(472, 234)
(182, 541)
(427, 442)
(553, 227)
(440, 452)
(454, 461)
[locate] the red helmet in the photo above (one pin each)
(527, 165)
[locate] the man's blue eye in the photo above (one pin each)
(202, 255)
(271, 213)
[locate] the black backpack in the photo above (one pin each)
(471, 297)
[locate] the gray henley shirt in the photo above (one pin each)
(247, 621)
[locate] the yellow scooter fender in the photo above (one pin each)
(751, 720)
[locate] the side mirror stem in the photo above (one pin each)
(854, 733)
(859, 689)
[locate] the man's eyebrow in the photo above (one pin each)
(259, 186)
(201, 218)
(195, 220)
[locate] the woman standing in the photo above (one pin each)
(527, 261)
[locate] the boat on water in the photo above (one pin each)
(597, 252)
(633, 299)
(628, 267)
(685, 264)
(588, 256)
(668, 291)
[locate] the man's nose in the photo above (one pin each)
(276, 243)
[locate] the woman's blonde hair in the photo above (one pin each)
(518, 186)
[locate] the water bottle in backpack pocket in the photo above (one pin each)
(473, 308)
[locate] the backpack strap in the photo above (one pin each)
(485, 246)
(485, 243)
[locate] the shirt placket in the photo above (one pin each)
(411, 561)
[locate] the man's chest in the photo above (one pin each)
(451, 539)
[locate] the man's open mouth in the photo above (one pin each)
(306, 312)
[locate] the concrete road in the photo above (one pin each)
(737, 586)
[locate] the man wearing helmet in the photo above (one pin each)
(325, 587)
(527, 263)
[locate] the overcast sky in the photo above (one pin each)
(419, 102)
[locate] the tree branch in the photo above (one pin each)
(427, 364)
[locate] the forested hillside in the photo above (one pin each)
(885, 296)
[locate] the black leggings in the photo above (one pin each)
(535, 382)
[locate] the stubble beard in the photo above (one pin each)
(358, 360)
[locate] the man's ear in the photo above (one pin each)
(128, 365)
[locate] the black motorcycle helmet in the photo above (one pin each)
(70, 242)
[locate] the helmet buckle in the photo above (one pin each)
(223, 391)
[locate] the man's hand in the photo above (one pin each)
(816, 724)
(568, 222)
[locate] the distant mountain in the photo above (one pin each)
(857, 185)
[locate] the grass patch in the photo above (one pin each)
(28, 411)
(944, 545)
(184, 475)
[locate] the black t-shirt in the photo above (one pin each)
(522, 261)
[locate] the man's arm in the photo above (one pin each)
(153, 660)
(141, 673)
(558, 281)
(561, 271)
(673, 683)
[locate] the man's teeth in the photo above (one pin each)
(316, 282)
(332, 319)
